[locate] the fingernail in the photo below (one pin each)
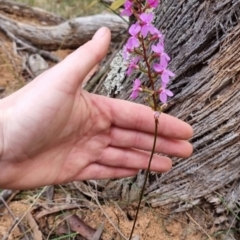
(100, 33)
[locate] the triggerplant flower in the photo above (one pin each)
(146, 22)
(136, 89)
(165, 73)
(164, 93)
(127, 9)
(133, 41)
(159, 50)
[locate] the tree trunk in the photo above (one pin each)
(52, 32)
(67, 35)
(202, 38)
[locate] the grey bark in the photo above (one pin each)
(202, 38)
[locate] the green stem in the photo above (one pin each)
(146, 177)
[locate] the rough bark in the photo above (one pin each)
(202, 38)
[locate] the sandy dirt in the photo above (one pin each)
(152, 223)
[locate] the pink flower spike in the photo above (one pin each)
(136, 89)
(164, 94)
(153, 3)
(132, 65)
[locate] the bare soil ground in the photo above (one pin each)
(152, 223)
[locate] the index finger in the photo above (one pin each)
(135, 116)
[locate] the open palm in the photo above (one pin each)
(52, 131)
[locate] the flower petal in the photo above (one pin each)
(137, 83)
(171, 74)
(163, 97)
(157, 67)
(144, 31)
(169, 93)
(134, 29)
(134, 95)
(165, 77)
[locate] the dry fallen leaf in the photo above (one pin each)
(76, 224)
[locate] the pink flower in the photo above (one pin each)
(146, 20)
(153, 3)
(159, 49)
(136, 89)
(127, 9)
(134, 29)
(132, 65)
(165, 73)
(133, 41)
(164, 93)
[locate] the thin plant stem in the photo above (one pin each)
(146, 58)
(146, 177)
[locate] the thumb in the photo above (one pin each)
(74, 68)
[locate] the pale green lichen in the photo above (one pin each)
(114, 81)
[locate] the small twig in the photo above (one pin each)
(199, 226)
(231, 225)
(8, 208)
(118, 207)
(6, 195)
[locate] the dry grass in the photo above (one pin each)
(67, 8)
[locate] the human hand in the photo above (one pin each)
(52, 131)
